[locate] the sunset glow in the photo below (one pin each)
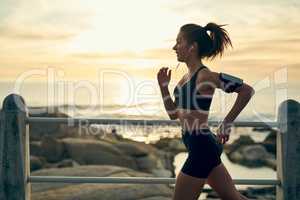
(136, 37)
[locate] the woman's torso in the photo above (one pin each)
(194, 119)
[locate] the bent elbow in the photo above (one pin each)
(247, 90)
(173, 117)
(250, 91)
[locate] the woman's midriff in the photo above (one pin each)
(193, 119)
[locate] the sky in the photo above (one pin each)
(136, 37)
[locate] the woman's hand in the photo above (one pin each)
(223, 132)
(164, 77)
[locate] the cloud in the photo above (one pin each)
(158, 53)
(254, 10)
(102, 55)
(14, 33)
(281, 48)
(40, 20)
(251, 18)
(139, 34)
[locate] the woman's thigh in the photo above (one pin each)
(220, 180)
(188, 187)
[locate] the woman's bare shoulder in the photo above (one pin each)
(208, 76)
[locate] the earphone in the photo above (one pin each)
(191, 48)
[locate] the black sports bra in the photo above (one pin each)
(188, 97)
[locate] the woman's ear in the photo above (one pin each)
(193, 46)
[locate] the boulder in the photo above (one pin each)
(39, 129)
(243, 140)
(174, 145)
(35, 148)
(36, 163)
(94, 152)
(149, 163)
(167, 159)
(126, 153)
(64, 163)
(162, 143)
(147, 156)
(253, 156)
(132, 148)
(52, 149)
(177, 146)
(265, 193)
(270, 142)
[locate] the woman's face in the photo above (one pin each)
(182, 48)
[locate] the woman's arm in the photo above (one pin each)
(168, 103)
(245, 92)
(164, 77)
(230, 85)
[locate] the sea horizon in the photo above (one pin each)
(147, 104)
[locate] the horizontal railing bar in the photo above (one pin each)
(134, 180)
(74, 121)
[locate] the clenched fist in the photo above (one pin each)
(164, 76)
(223, 132)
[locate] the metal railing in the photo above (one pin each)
(138, 180)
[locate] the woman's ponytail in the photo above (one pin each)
(220, 39)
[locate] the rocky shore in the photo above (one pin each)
(245, 151)
(59, 150)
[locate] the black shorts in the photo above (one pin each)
(204, 152)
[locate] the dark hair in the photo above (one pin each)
(209, 45)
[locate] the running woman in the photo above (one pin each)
(193, 95)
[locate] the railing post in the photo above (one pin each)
(14, 150)
(288, 151)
